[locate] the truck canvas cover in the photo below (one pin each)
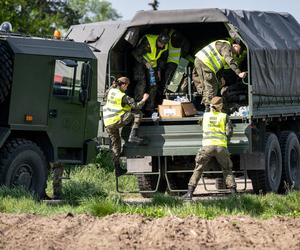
(101, 35)
(273, 41)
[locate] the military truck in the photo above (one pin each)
(49, 109)
(264, 146)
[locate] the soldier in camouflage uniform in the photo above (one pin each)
(216, 131)
(150, 53)
(210, 60)
(58, 170)
(119, 111)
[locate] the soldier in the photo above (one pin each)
(58, 170)
(210, 60)
(178, 47)
(118, 111)
(217, 130)
(150, 54)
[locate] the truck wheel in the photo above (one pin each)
(6, 71)
(148, 183)
(220, 183)
(258, 180)
(23, 164)
(268, 180)
(179, 181)
(290, 149)
(273, 163)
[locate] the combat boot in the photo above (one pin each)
(189, 194)
(134, 138)
(119, 171)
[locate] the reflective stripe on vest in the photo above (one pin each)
(214, 130)
(152, 57)
(174, 53)
(211, 57)
(113, 110)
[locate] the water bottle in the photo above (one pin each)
(154, 116)
(152, 81)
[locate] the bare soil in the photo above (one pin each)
(120, 231)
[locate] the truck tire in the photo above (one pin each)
(148, 183)
(290, 150)
(179, 181)
(23, 164)
(220, 183)
(6, 71)
(268, 180)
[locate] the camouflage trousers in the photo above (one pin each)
(114, 132)
(198, 83)
(223, 158)
(140, 76)
(58, 170)
(209, 81)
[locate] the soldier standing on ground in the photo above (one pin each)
(210, 60)
(119, 111)
(217, 130)
(150, 55)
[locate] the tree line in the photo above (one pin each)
(42, 17)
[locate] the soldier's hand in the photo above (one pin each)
(242, 74)
(148, 65)
(145, 97)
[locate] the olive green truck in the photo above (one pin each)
(49, 109)
(264, 146)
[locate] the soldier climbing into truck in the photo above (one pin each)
(119, 111)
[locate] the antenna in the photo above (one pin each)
(154, 4)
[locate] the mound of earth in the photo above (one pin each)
(120, 231)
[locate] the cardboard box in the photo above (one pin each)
(172, 109)
(188, 109)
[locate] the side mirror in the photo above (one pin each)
(86, 78)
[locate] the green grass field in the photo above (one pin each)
(92, 190)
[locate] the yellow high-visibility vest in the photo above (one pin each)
(152, 57)
(113, 110)
(174, 53)
(211, 57)
(214, 129)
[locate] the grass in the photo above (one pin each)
(92, 190)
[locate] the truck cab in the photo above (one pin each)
(49, 108)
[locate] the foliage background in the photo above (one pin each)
(42, 17)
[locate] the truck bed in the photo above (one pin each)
(182, 136)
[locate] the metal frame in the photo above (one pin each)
(166, 172)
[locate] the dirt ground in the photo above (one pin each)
(136, 232)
